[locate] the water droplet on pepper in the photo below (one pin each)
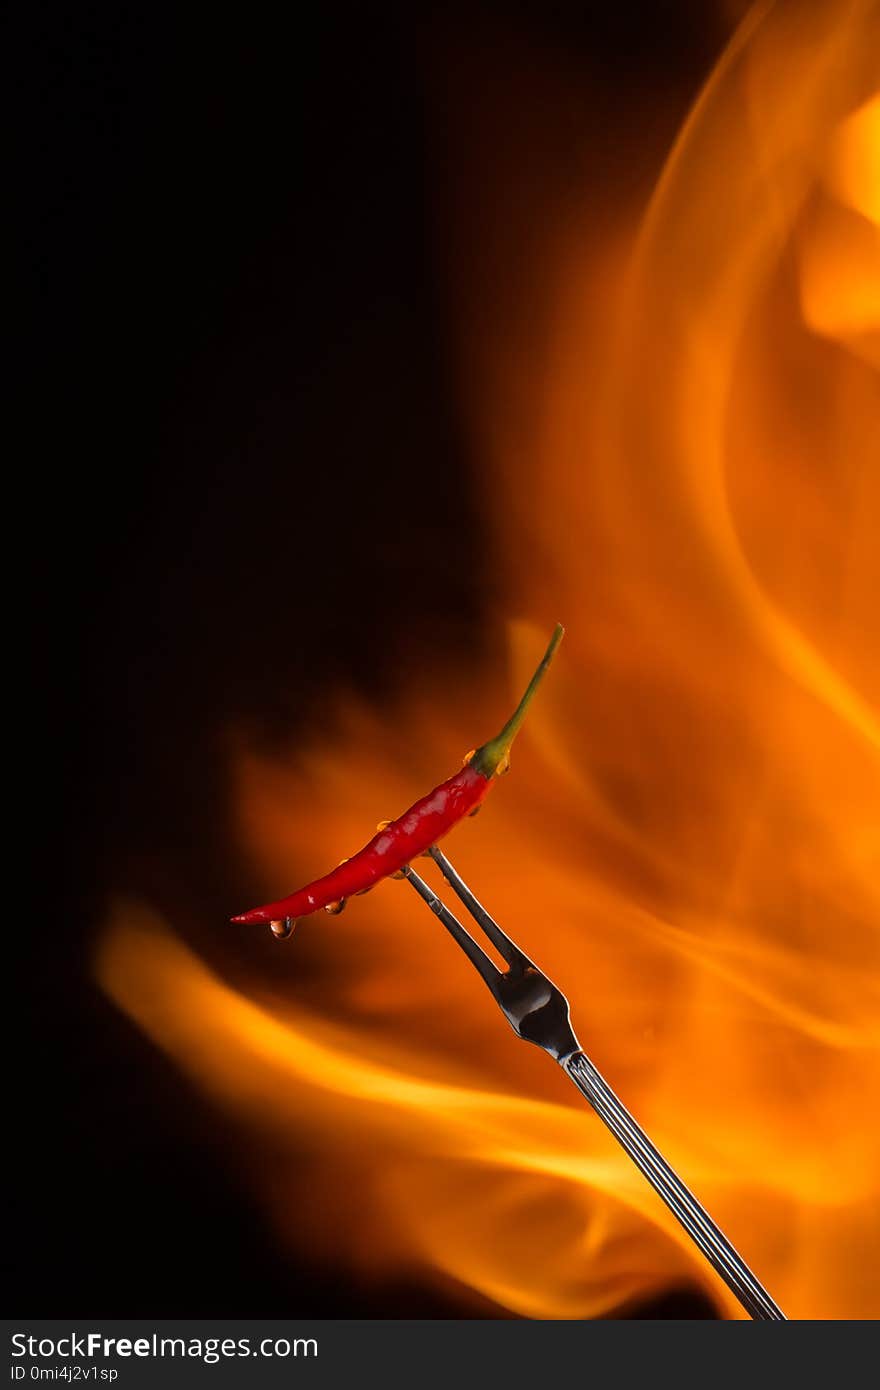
(283, 929)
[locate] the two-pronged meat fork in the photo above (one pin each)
(538, 1012)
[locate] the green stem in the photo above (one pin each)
(492, 757)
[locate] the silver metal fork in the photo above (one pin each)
(538, 1012)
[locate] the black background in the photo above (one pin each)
(246, 483)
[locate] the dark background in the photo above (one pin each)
(246, 483)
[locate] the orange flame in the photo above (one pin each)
(690, 840)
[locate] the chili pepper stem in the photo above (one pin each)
(492, 758)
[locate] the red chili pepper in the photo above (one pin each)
(411, 834)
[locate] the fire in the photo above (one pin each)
(690, 838)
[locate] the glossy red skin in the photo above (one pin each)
(426, 821)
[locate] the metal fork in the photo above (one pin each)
(538, 1012)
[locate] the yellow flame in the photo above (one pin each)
(854, 165)
(690, 840)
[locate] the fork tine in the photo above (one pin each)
(474, 952)
(504, 945)
(535, 1008)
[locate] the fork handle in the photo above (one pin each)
(680, 1201)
